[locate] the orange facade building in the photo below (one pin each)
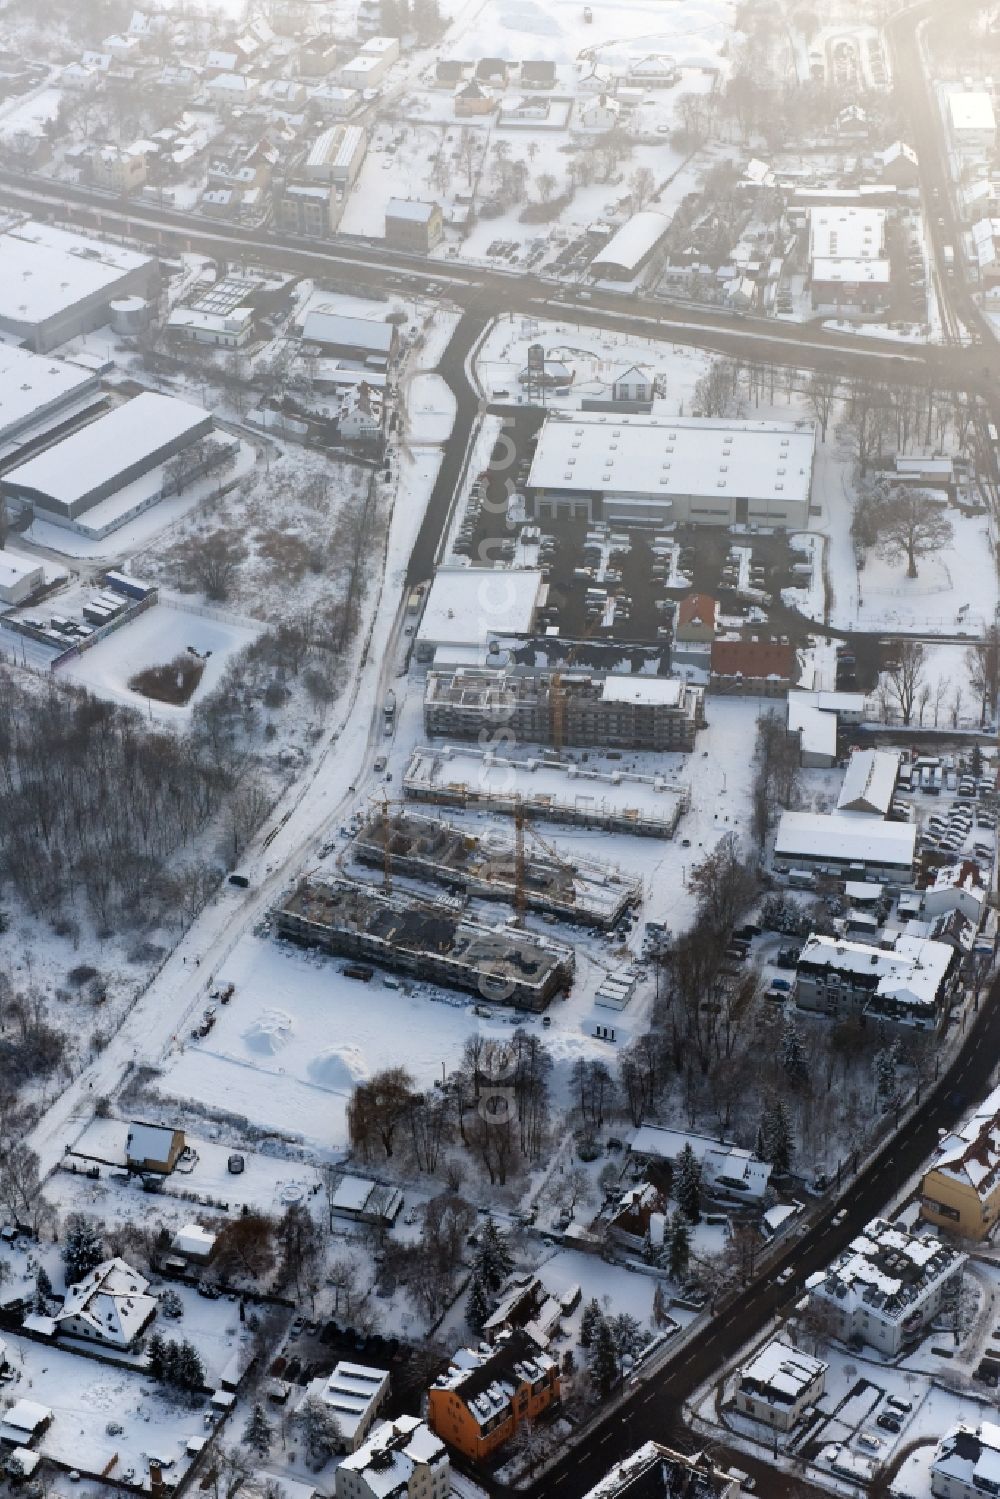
(486, 1395)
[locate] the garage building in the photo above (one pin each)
(631, 248)
(19, 577)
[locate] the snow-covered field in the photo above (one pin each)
(154, 639)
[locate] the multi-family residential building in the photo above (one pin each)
(402, 1459)
(624, 712)
(486, 1395)
(887, 1286)
(961, 1191)
(778, 1384)
(655, 1472)
(967, 1462)
(908, 982)
(411, 225)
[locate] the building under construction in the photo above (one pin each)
(625, 712)
(522, 870)
(618, 801)
(428, 939)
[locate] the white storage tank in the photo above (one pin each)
(129, 315)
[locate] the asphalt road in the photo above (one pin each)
(488, 292)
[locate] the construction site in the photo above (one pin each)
(524, 870)
(615, 801)
(427, 939)
(633, 712)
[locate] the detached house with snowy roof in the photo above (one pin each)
(402, 1459)
(907, 982)
(354, 1394)
(966, 1463)
(961, 1191)
(153, 1147)
(887, 1286)
(110, 1306)
(778, 1384)
(486, 1395)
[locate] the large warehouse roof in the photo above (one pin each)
(851, 840)
(674, 456)
(635, 241)
(32, 383)
(96, 454)
(44, 270)
(971, 109)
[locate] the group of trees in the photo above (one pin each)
(900, 524)
(611, 1342)
(491, 1266)
(777, 761)
(495, 1105)
(94, 804)
(176, 1364)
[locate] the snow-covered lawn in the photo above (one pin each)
(154, 639)
(85, 1397)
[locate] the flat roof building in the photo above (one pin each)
(580, 795)
(650, 469)
(861, 846)
(74, 475)
(56, 285)
(36, 391)
(624, 712)
(19, 577)
(472, 605)
(778, 1384)
(972, 118)
(354, 1394)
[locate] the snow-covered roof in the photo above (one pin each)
(911, 973)
(869, 782)
(149, 1142)
(846, 840)
(391, 1454)
(410, 208)
(817, 730)
(94, 456)
(662, 456)
(782, 1373)
(350, 1392)
(846, 233)
(970, 1456)
(971, 109)
(192, 1239)
(661, 692)
(32, 383)
(467, 605)
(719, 1160)
(971, 1154)
(887, 1270)
(324, 325)
(14, 569)
(851, 271)
(26, 1415)
(44, 270)
(335, 147)
(635, 241)
(111, 1302)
